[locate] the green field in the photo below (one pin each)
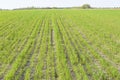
(60, 45)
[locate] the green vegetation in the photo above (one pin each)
(60, 44)
(86, 6)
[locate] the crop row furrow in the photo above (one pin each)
(22, 55)
(97, 56)
(66, 53)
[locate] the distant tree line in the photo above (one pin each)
(30, 8)
(3, 9)
(84, 6)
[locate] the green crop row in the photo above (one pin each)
(60, 45)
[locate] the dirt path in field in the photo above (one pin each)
(53, 48)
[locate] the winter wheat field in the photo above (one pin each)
(62, 44)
